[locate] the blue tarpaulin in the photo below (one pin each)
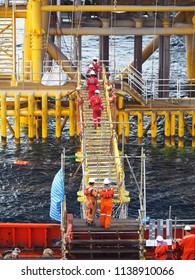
(57, 196)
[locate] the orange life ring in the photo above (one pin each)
(21, 162)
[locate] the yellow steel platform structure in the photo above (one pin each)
(23, 99)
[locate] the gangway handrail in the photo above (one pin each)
(118, 164)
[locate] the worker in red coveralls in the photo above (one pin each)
(188, 244)
(161, 249)
(90, 68)
(92, 84)
(91, 203)
(96, 104)
(96, 67)
(106, 196)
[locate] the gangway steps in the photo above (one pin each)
(100, 162)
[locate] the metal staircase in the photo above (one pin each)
(100, 162)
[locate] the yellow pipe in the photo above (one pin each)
(120, 116)
(58, 116)
(37, 113)
(31, 104)
(9, 12)
(37, 34)
(181, 130)
(72, 117)
(27, 52)
(139, 128)
(44, 117)
(193, 129)
(3, 119)
(127, 124)
(123, 31)
(167, 129)
(118, 8)
(173, 119)
(153, 128)
(17, 118)
(190, 56)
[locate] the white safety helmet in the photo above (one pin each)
(159, 238)
(97, 91)
(91, 180)
(187, 227)
(106, 181)
(95, 58)
(92, 73)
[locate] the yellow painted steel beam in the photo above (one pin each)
(37, 40)
(193, 129)
(153, 128)
(139, 127)
(44, 117)
(126, 124)
(67, 66)
(118, 8)
(188, 30)
(3, 119)
(9, 13)
(58, 115)
(180, 130)
(72, 117)
(17, 118)
(31, 104)
(173, 128)
(167, 129)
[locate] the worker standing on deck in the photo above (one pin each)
(106, 196)
(188, 244)
(92, 84)
(91, 193)
(161, 249)
(96, 104)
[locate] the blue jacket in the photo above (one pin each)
(57, 196)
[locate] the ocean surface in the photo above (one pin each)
(170, 172)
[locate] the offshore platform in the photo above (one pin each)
(30, 96)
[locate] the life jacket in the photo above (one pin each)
(107, 193)
(88, 191)
(96, 100)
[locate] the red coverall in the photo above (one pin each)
(96, 68)
(91, 85)
(188, 245)
(160, 251)
(91, 202)
(106, 196)
(96, 104)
